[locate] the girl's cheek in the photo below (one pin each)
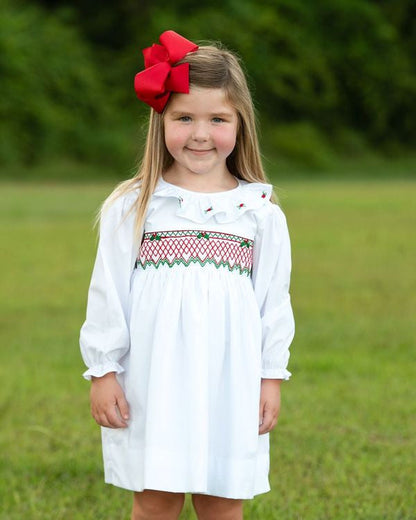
(178, 137)
(226, 137)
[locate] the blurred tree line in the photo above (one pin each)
(329, 76)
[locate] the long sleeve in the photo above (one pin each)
(271, 280)
(104, 336)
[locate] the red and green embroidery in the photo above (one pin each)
(195, 246)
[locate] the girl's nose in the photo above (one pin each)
(200, 132)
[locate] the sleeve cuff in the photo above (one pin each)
(275, 373)
(101, 370)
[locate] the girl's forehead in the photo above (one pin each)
(200, 100)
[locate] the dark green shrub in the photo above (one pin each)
(52, 99)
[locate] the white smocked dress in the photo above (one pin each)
(190, 323)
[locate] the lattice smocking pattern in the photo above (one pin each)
(195, 246)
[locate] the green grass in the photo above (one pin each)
(345, 444)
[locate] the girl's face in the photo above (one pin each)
(200, 131)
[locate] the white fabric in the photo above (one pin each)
(190, 343)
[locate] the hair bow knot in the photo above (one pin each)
(155, 84)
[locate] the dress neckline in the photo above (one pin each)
(210, 193)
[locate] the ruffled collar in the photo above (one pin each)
(223, 206)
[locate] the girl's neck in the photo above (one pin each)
(201, 182)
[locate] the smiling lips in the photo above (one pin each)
(193, 150)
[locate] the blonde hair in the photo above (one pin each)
(211, 66)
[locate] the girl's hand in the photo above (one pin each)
(108, 403)
(269, 404)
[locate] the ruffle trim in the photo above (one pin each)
(277, 373)
(224, 207)
(102, 369)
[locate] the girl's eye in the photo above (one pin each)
(217, 120)
(185, 119)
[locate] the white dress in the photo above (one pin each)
(191, 323)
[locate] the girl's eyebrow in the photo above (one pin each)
(214, 114)
(179, 113)
(222, 114)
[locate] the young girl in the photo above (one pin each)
(189, 319)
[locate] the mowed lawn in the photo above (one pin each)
(345, 445)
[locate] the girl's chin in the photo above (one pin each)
(201, 168)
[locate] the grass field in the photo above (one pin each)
(345, 444)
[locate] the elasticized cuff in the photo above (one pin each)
(275, 373)
(101, 370)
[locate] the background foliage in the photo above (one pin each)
(328, 77)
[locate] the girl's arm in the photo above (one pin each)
(104, 337)
(271, 281)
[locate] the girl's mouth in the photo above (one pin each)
(200, 152)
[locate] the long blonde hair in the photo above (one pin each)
(211, 66)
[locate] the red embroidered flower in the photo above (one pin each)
(263, 196)
(208, 209)
(241, 205)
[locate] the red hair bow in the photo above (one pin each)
(155, 84)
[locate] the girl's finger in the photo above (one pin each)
(114, 419)
(267, 422)
(101, 419)
(264, 428)
(123, 407)
(261, 413)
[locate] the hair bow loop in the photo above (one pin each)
(176, 45)
(159, 79)
(154, 54)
